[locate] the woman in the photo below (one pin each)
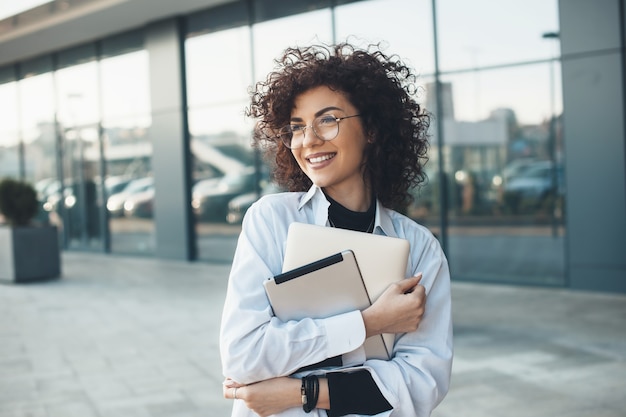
(349, 142)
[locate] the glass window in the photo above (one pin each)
(78, 98)
(503, 160)
(223, 161)
(273, 36)
(38, 134)
(125, 89)
(9, 131)
(489, 90)
(404, 26)
(78, 114)
(426, 207)
(484, 33)
(218, 68)
(129, 187)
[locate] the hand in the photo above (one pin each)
(229, 389)
(398, 310)
(267, 397)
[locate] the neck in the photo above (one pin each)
(358, 199)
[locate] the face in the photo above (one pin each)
(335, 165)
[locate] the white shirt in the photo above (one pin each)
(256, 346)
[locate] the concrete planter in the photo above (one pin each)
(29, 254)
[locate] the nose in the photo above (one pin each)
(309, 137)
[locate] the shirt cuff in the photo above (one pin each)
(345, 333)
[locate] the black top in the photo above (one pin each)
(344, 218)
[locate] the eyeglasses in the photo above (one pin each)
(325, 127)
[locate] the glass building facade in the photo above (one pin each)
(137, 141)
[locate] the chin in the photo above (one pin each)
(321, 182)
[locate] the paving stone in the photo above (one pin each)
(27, 410)
(77, 409)
(124, 411)
(138, 337)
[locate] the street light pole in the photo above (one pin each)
(552, 137)
(443, 178)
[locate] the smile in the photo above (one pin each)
(322, 158)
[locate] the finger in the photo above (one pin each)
(407, 285)
(229, 383)
(421, 288)
(414, 279)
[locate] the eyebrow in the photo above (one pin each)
(318, 113)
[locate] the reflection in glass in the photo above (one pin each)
(426, 207)
(218, 66)
(504, 169)
(79, 202)
(129, 186)
(9, 133)
(37, 131)
(125, 88)
(405, 26)
(302, 29)
(77, 91)
(223, 161)
(483, 33)
(36, 99)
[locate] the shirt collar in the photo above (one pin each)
(383, 224)
(319, 205)
(309, 195)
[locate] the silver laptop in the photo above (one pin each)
(382, 260)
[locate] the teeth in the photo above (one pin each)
(320, 158)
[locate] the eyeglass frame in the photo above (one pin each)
(304, 128)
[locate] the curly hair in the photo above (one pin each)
(381, 87)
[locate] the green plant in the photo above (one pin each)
(18, 202)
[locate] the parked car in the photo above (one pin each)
(116, 184)
(210, 197)
(238, 206)
(115, 203)
(534, 186)
(140, 204)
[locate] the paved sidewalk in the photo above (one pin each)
(133, 337)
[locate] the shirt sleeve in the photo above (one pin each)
(254, 345)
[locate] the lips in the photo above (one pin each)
(316, 159)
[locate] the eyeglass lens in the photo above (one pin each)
(325, 127)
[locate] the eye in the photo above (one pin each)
(297, 128)
(326, 120)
